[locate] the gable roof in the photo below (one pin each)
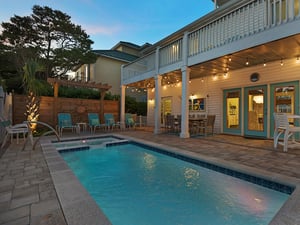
(115, 54)
(128, 44)
(220, 2)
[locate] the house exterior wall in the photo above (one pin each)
(212, 89)
(107, 70)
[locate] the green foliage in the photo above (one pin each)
(132, 106)
(29, 80)
(72, 92)
(110, 96)
(47, 35)
(14, 84)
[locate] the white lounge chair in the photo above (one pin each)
(11, 130)
(283, 127)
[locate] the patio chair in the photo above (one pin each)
(129, 120)
(94, 122)
(283, 127)
(11, 130)
(170, 123)
(207, 125)
(65, 122)
(110, 121)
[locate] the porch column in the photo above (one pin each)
(185, 102)
(102, 95)
(157, 106)
(122, 112)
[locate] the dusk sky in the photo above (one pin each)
(110, 21)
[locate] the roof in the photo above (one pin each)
(220, 2)
(132, 46)
(123, 56)
(128, 44)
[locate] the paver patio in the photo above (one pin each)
(28, 194)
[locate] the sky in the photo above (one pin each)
(108, 22)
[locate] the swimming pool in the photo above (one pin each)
(157, 189)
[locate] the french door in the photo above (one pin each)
(255, 111)
(166, 108)
(232, 111)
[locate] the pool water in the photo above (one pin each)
(137, 186)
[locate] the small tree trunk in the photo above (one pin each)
(32, 109)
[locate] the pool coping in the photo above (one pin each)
(80, 208)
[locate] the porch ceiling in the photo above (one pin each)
(273, 51)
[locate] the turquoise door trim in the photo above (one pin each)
(272, 100)
(226, 129)
(256, 133)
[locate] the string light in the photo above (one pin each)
(247, 62)
(265, 64)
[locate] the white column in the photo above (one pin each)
(157, 106)
(123, 95)
(122, 106)
(185, 102)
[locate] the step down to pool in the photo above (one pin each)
(73, 148)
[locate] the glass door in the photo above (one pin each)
(284, 99)
(166, 108)
(255, 114)
(231, 112)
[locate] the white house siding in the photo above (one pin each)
(213, 89)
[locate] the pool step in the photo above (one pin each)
(118, 142)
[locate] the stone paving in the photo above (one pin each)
(28, 194)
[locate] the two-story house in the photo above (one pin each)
(240, 62)
(107, 68)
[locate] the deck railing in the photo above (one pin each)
(171, 53)
(141, 66)
(249, 19)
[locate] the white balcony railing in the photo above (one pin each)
(245, 21)
(171, 53)
(248, 19)
(141, 66)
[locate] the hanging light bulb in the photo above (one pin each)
(281, 62)
(247, 62)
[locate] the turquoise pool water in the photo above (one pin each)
(137, 186)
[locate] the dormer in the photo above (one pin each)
(219, 3)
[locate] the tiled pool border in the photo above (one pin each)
(59, 169)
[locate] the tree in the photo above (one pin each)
(33, 87)
(50, 36)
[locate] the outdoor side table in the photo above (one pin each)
(81, 126)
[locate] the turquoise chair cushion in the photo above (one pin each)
(130, 121)
(95, 122)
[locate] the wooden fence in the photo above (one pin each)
(50, 106)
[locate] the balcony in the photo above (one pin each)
(257, 30)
